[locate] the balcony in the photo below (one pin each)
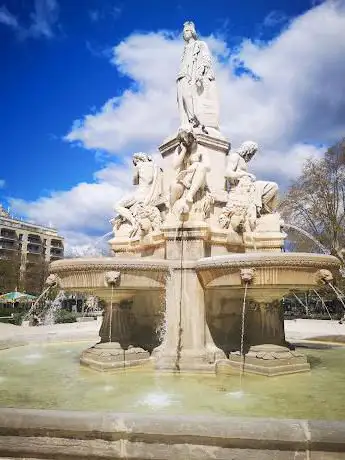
(8, 235)
(34, 249)
(56, 244)
(8, 245)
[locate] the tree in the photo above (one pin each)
(315, 201)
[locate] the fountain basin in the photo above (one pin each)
(93, 415)
(270, 277)
(202, 302)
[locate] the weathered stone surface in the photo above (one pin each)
(65, 435)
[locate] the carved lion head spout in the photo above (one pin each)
(323, 276)
(247, 275)
(53, 280)
(112, 278)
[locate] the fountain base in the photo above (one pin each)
(111, 356)
(269, 360)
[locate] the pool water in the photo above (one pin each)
(50, 377)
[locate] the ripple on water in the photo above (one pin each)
(157, 400)
(236, 394)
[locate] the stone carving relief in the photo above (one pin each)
(323, 276)
(53, 280)
(248, 198)
(112, 278)
(189, 191)
(138, 213)
(196, 89)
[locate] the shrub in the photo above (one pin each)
(65, 316)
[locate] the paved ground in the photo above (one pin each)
(299, 329)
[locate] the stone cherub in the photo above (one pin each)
(191, 167)
(139, 208)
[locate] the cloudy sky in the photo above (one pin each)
(84, 84)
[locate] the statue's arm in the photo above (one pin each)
(179, 155)
(232, 172)
(205, 62)
(136, 176)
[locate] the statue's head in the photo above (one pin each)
(140, 156)
(186, 137)
(247, 150)
(189, 31)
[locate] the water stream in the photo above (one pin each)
(308, 235)
(323, 304)
(36, 303)
(242, 333)
(111, 312)
(53, 308)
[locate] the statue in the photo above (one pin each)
(139, 208)
(191, 167)
(239, 213)
(196, 90)
(264, 192)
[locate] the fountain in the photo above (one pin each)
(193, 286)
(191, 231)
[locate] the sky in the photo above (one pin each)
(85, 83)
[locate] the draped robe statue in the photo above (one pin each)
(265, 193)
(196, 89)
(141, 205)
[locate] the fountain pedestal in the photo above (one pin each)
(188, 345)
(115, 350)
(268, 354)
(270, 360)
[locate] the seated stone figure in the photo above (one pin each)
(191, 168)
(265, 192)
(139, 208)
(239, 213)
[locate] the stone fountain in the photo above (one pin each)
(197, 232)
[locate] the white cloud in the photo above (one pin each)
(297, 99)
(82, 211)
(2, 183)
(43, 20)
(8, 18)
(294, 107)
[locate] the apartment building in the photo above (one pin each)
(28, 243)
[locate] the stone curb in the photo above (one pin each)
(221, 432)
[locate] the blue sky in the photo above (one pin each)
(64, 60)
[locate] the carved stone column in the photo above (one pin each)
(265, 322)
(115, 350)
(187, 345)
(118, 324)
(268, 354)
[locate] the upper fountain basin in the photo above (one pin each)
(95, 275)
(272, 273)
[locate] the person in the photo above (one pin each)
(148, 179)
(191, 167)
(196, 90)
(266, 193)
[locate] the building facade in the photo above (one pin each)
(30, 248)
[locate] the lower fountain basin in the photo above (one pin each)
(54, 380)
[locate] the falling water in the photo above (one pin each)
(308, 235)
(339, 294)
(242, 333)
(111, 312)
(56, 305)
(34, 305)
(323, 304)
(180, 330)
